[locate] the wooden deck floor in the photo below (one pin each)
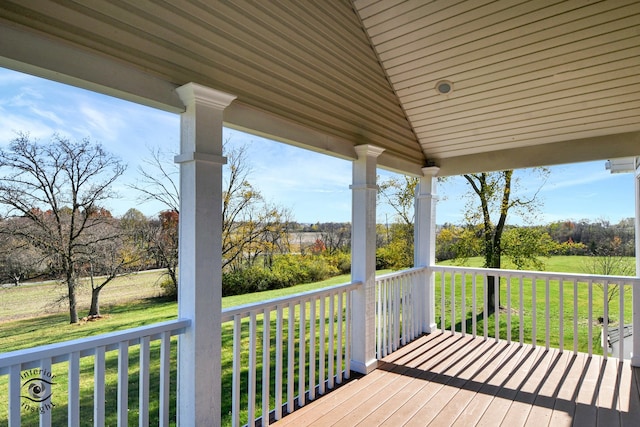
(451, 380)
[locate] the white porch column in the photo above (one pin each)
(425, 240)
(635, 357)
(200, 263)
(363, 258)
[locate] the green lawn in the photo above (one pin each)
(25, 322)
(566, 264)
(540, 310)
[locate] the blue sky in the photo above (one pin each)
(313, 186)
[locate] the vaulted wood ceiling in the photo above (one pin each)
(534, 82)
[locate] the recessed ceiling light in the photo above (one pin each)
(444, 87)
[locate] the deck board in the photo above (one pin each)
(455, 380)
(456, 406)
(510, 388)
(491, 378)
(541, 410)
(629, 402)
(587, 397)
(565, 404)
(445, 379)
(607, 398)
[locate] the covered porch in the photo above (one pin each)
(424, 89)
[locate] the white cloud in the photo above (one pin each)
(576, 175)
(11, 124)
(107, 124)
(48, 115)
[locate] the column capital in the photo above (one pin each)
(430, 171)
(191, 93)
(368, 150)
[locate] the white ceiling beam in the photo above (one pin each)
(32, 53)
(573, 151)
(250, 120)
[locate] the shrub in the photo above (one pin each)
(396, 255)
(318, 268)
(285, 271)
(340, 260)
(247, 280)
(169, 288)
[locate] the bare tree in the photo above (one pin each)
(19, 260)
(159, 180)
(57, 186)
(164, 247)
(335, 236)
(607, 258)
(399, 193)
(110, 257)
(250, 225)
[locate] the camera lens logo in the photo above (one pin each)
(37, 389)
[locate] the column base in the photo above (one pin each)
(635, 361)
(430, 328)
(364, 368)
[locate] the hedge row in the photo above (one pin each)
(284, 271)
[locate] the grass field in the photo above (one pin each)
(35, 300)
(29, 317)
(562, 264)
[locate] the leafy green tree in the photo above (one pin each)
(458, 243)
(399, 194)
(398, 253)
(494, 195)
(524, 246)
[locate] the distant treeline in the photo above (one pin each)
(571, 237)
(149, 242)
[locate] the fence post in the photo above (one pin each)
(425, 242)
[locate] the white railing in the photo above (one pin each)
(300, 342)
(536, 307)
(47, 378)
(399, 309)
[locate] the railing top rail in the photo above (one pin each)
(229, 312)
(400, 273)
(595, 278)
(64, 348)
